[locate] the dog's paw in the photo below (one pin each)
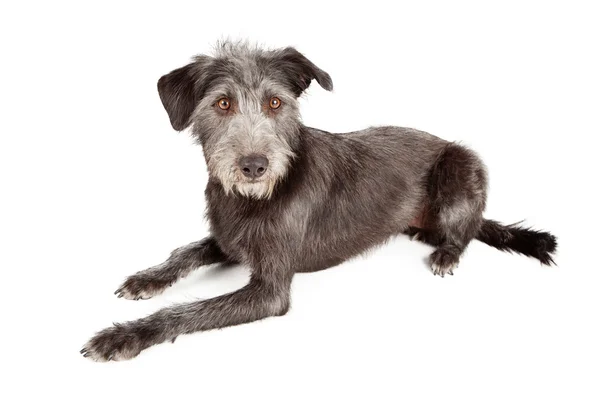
(142, 286)
(422, 235)
(116, 343)
(413, 233)
(443, 261)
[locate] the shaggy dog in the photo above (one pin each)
(285, 198)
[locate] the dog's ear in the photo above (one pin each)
(300, 71)
(179, 92)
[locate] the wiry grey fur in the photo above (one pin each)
(323, 199)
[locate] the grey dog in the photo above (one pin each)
(285, 198)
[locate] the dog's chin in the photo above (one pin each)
(256, 189)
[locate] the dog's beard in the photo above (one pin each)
(257, 190)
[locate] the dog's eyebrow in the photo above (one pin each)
(277, 90)
(219, 91)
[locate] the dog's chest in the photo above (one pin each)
(245, 227)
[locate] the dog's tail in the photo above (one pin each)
(515, 238)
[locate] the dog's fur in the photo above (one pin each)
(323, 199)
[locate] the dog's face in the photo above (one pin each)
(242, 104)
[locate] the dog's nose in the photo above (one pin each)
(254, 166)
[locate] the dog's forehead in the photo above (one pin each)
(250, 70)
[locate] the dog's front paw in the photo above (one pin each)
(443, 261)
(116, 343)
(143, 285)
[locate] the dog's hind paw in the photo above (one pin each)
(422, 235)
(443, 261)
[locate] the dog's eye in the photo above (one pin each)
(224, 103)
(274, 103)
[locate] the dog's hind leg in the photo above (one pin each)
(456, 195)
(153, 281)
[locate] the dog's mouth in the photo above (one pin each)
(259, 187)
(252, 183)
(261, 179)
(249, 181)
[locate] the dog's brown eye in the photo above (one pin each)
(224, 103)
(274, 103)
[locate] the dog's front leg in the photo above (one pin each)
(185, 259)
(264, 296)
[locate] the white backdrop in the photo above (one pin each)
(96, 186)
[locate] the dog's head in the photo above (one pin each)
(242, 105)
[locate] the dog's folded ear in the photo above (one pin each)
(179, 92)
(300, 71)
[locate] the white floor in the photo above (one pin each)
(96, 186)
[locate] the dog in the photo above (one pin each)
(284, 198)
